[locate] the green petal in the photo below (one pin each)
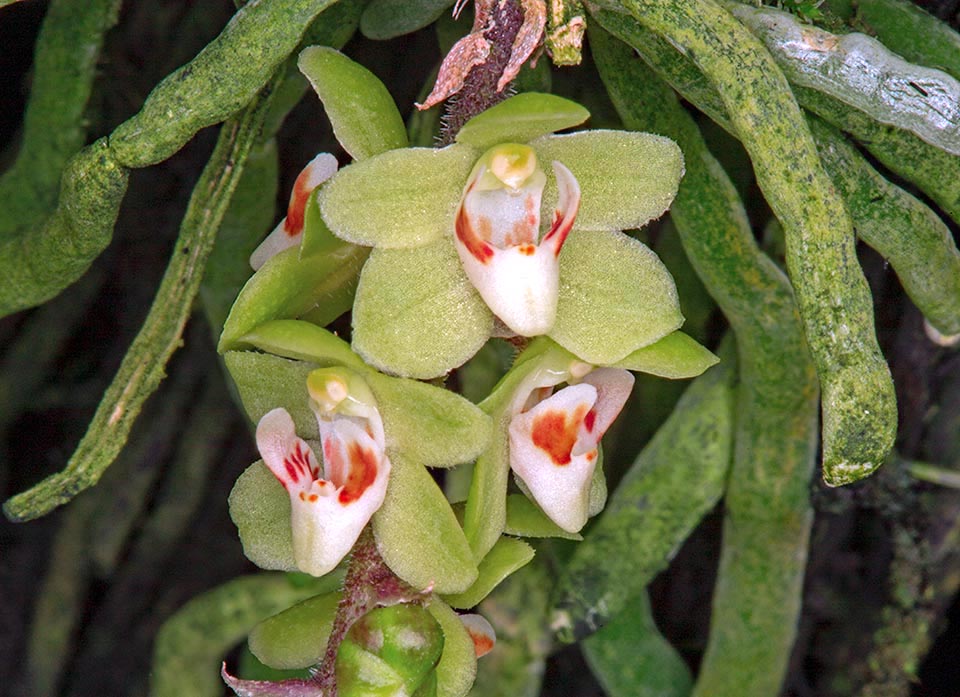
(260, 508)
(297, 637)
(458, 663)
(287, 287)
(626, 179)
(615, 296)
(675, 356)
(507, 556)
(402, 198)
(266, 382)
(416, 314)
(364, 117)
(418, 535)
(525, 519)
(520, 119)
(429, 424)
(303, 341)
(317, 237)
(385, 19)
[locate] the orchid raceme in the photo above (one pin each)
(497, 229)
(329, 512)
(444, 226)
(289, 231)
(554, 441)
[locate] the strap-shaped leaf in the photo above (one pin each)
(507, 556)
(429, 424)
(297, 637)
(364, 117)
(416, 313)
(402, 198)
(418, 535)
(520, 119)
(615, 296)
(675, 356)
(626, 179)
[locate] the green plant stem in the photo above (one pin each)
(142, 368)
(757, 600)
(858, 401)
(54, 129)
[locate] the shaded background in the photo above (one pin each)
(119, 560)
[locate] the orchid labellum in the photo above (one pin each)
(329, 510)
(554, 439)
(497, 233)
(289, 231)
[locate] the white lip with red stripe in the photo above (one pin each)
(329, 509)
(497, 235)
(553, 441)
(289, 231)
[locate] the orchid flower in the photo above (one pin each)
(554, 440)
(329, 511)
(496, 234)
(289, 231)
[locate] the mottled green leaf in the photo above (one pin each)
(429, 424)
(506, 556)
(287, 287)
(296, 637)
(260, 508)
(631, 659)
(626, 179)
(402, 198)
(416, 313)
(458, 664)
(385, 19)
(364, 117)
(675, 356)
(418, 535)
(521, 118)
(266, 382)
(615, 296)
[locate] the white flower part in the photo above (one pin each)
(329, 512)
(481, 632)
(497, 230)
(289, 231)
(553, 442)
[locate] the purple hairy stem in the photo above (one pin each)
(369, 584)
(479, 91)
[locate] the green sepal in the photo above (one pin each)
(429, 424)
(287, 287)
(525, 519)
(616, 296)
(458, 664)
(303, 341)
(266, 382)
(417, 533)
(363, 114)
(598, 487)
(317, 237)
(406, 640)
(416, 314)
(402, 198)
(626, 179)
(260, 508)
(675, 356)
(297, 637)
(521, 118)
(506, 556)
(386, 19)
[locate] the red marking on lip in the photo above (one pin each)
(296, 211)
(478, 248)
(591, 456)
(555, 432)
(590, 420)
(482, 644)
(527, 250)
(362, 472)
(297, 463)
